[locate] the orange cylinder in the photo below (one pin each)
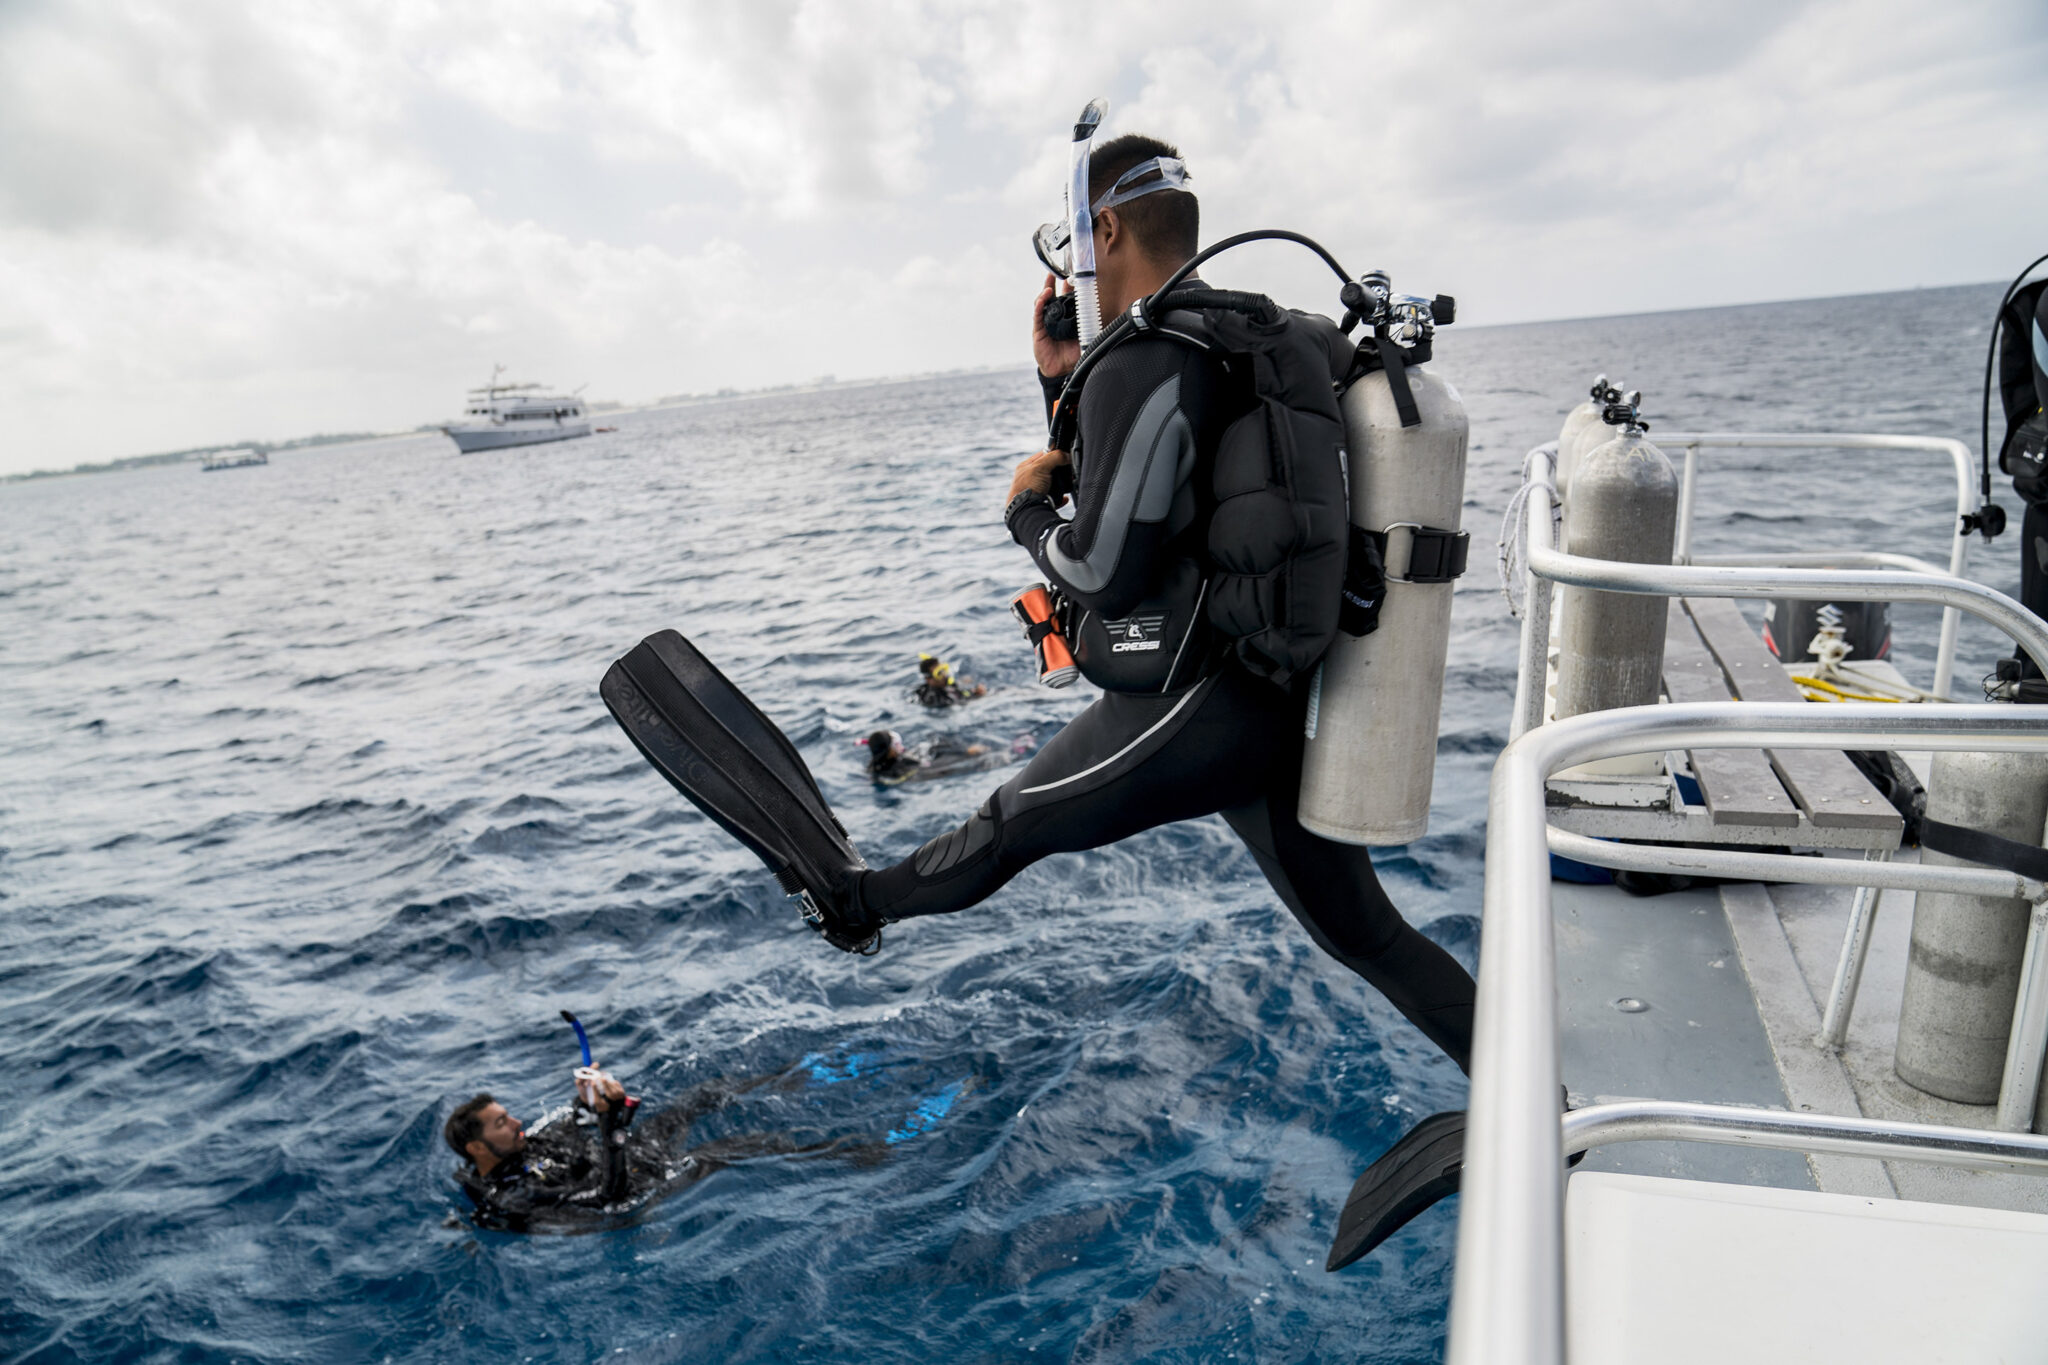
(1034, 610)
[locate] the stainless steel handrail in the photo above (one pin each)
(1784, 867)
(2029, 631)
(1603, 1125)
(1968, 498)
(1532, 671)
(1507, 1301)
(1822, 559)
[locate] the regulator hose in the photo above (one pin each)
(1125, 325)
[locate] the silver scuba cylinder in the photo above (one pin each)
(1623, 506)
(1963, 974)
(1583, 429)
(1369, 752)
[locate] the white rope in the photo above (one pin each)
(1514, 527)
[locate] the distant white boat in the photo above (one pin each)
(498, 415)
(231, 459)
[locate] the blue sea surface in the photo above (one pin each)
(312, 820)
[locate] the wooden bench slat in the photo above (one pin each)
(1824, 782)
(1739, 785)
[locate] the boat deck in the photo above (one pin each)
(1734, 979)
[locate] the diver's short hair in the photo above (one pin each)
(466, 1124)
(1168, 225)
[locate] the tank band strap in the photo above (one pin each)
(1435, 555)
(1992, 850)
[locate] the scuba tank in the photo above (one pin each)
(1369, 735)
(1295, 584)
(1583, 429)
(1623, 507)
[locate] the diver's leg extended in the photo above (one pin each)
(1335, 893)
(1127, 763)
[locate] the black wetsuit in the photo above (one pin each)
(1227, 742)
(2031, 483)
(941, 756)
(569, 1169)
(577, 1176)
(932, 692)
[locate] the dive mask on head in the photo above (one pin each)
(1054, 241)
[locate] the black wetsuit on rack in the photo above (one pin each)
(1218, 740)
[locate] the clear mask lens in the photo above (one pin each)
(1054, 243)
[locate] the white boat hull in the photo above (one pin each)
(495, 437)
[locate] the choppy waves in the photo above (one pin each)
(313, 820)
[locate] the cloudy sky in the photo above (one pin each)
(225, 221)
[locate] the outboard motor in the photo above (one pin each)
(1623, 506)
(1790, 625)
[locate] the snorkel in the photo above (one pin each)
(582, 1038)
(1081, 225)
(588, 1076)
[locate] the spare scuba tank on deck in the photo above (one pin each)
(1583, 430)
(1369, 748)
(1623, 507)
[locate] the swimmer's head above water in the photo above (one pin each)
(885, 749)
(483, 1131)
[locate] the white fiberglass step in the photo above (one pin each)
(1680, 1271)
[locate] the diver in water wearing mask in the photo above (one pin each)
(580, 1168)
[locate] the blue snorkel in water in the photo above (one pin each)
(589, 1078)
(582, 1038)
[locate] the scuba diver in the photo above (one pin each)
(937, 686)
(891, 763)
(579, 1166)
(2016, 366)
(1202, 630)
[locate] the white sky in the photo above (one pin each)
(256, 221)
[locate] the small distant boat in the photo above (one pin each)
(499, 415)
(232, 459)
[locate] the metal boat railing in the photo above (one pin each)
(1605, 1125)
(1905, 579)
(1968, 500)
(1840, 576)
(1507, 1301)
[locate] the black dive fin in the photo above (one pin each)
(703, 735)
(1414, 1173)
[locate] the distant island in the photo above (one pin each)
(606, 406)
(200, 452)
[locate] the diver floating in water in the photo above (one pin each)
(579, 1167)
(1206, 570)
(892, 763)
(937, 685)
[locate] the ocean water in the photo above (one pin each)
(311, 820)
